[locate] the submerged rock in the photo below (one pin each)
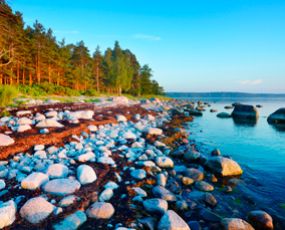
(260, 220)
(224, 166)
(204, 186)
(36, 210)
(7, 213)
(5, 140)
(172, 221)
(100, 210)
(194, 173)
(61, 187)
(224, 115)
(235, 224)
(71, 222)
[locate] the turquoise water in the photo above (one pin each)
(259, 148)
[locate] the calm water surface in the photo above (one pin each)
(260, 149)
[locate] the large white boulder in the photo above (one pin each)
(224, 166)
(86, 174)
(36, 210)
(61, 187)
(34, 180)
(49, 123)
(172, 221)
(7, 213)
(5, 140)
(57, 171)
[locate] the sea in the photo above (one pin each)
(258, 147)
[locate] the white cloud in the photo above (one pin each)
(251, 82)
(66, 31)
(147, 37)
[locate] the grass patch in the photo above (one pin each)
(7, 95)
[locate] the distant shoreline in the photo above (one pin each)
(225, 94)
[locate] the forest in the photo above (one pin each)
(31, 56)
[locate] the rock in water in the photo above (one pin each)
(260, 220)
(7, 213)
(172, 221)
(224, 166)
(155, 205)
(194, 173)
(223, 115)
(5, 140)
(100, 210)
(34, 180)
(61, 187)
(57, 171)
(204, 186)
(71, 222)
(49, 123)
(278, 117)
(235, 224)
(86, 174)
(36, 210)
(245, 112)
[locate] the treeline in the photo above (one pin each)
(33, 56)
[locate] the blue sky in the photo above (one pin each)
(191, 45)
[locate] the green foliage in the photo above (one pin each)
(7, 94)
(91, 93)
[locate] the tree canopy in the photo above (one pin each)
(32, 55)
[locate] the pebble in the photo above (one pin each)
(164, 162)
(138, 174)
(100, 210)
(162, 193)
(5, 140)
(204, 186)
(155, 205)
(57, 171)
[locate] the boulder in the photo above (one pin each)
(235, 224)
(36, 210)
(164, 162)
(277, 118)
(5, 140)
(162, 193)
(34, 181)
(223, 115)
(245, 112)
(23, 128)
(57, 171)
(61, 187)
(100, 210)
(49, 123)
(260, 220)
(71, 222)
(172, 221)
(155, 205)
(25, 121)
(224, 166)
(7, 213)
(86, 174)
(83, 114)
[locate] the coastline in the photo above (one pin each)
(143, 148)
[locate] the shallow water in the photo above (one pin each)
(259, 148)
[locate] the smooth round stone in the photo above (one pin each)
(187, 181)
(2, 184)
(5, 140)
(69, 200)
(164, 162)
(235, 223)
(204, 186)
(162, 193)
(191, 155)
(36, 210)
(155, 205)
(57, 171)
(71, 222)
(210, 199)
(86, 174)
(7, 213)
(100, 210)
(260, 220)
(172, 221)
(138, 174)
(161, 179)
(195, 174)
(61, 187)
(34, 180)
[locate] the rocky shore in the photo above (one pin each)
(117, 164)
